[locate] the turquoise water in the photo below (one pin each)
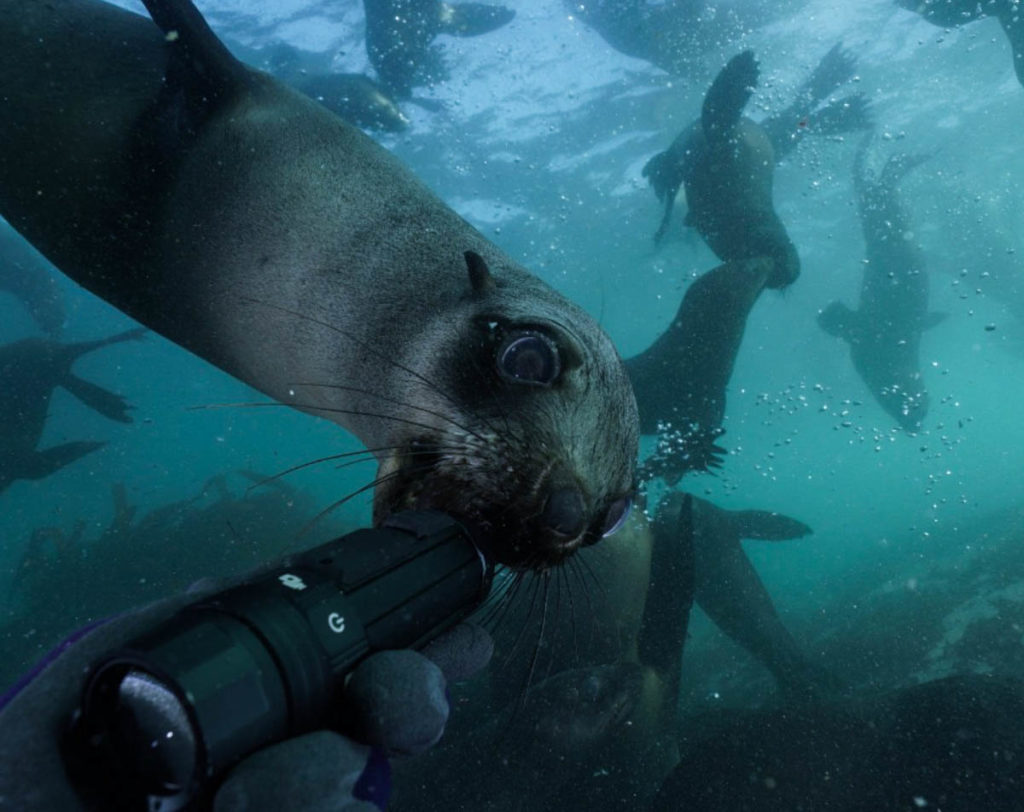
(540, 144)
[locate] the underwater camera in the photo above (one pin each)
(266, 660)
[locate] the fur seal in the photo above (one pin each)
(884, 333)
(31, 369)
(248, 224)
(954, 13)
(680, 380)
(726, 162)
(399, 34)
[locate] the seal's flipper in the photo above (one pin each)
(44, 463)
(473, 19)
(728, 95)
(837, 66)
(767, 526)
(201, 72)
(81, 348)
(107, 403)
(838, 320)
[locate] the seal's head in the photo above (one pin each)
(525, 423)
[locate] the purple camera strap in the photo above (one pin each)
(23, 681)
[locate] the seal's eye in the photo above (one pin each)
(616, 515)
(529, 358)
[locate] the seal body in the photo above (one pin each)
(726, 164)
(884, 332)
(247, 223)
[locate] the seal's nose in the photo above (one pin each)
(565, 512)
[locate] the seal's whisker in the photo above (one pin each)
(364, 345)
(505, 607)
(535, 583)
(577, 571)
(563, 574)
(363, 451)
(594, 577)
(433, 451)
(535, 655)
(396, 401)
(362, 489)
(312, 407)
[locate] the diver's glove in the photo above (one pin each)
(398, 697)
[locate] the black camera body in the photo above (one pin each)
(264, 661)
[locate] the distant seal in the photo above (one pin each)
(884, 332)
(31, 369)
(399, 34)
(246, 223)
(726, 163)
(356, 98)
(954, 13)
(353, 96)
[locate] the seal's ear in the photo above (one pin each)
(480, 278)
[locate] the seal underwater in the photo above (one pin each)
(248, 224)
(884, 332)
(725, 162)
(31, 369)
(399, 34)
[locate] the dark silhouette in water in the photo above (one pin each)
(673, 35)
(352, 96)
(884, 332)
(400, 33)
(953, 744)
(24, 275)
(725, 162)
(680, 380)
(730, 592)
(954, 13)
(30, 370)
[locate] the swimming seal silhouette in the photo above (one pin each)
(31, 369)
(884, 332)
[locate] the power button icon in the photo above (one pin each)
(336, 622)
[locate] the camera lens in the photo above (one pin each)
(148, 715)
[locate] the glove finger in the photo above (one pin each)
(397, 700)
(461, 652)
(318, 772)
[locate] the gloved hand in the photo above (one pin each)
(399, 698)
